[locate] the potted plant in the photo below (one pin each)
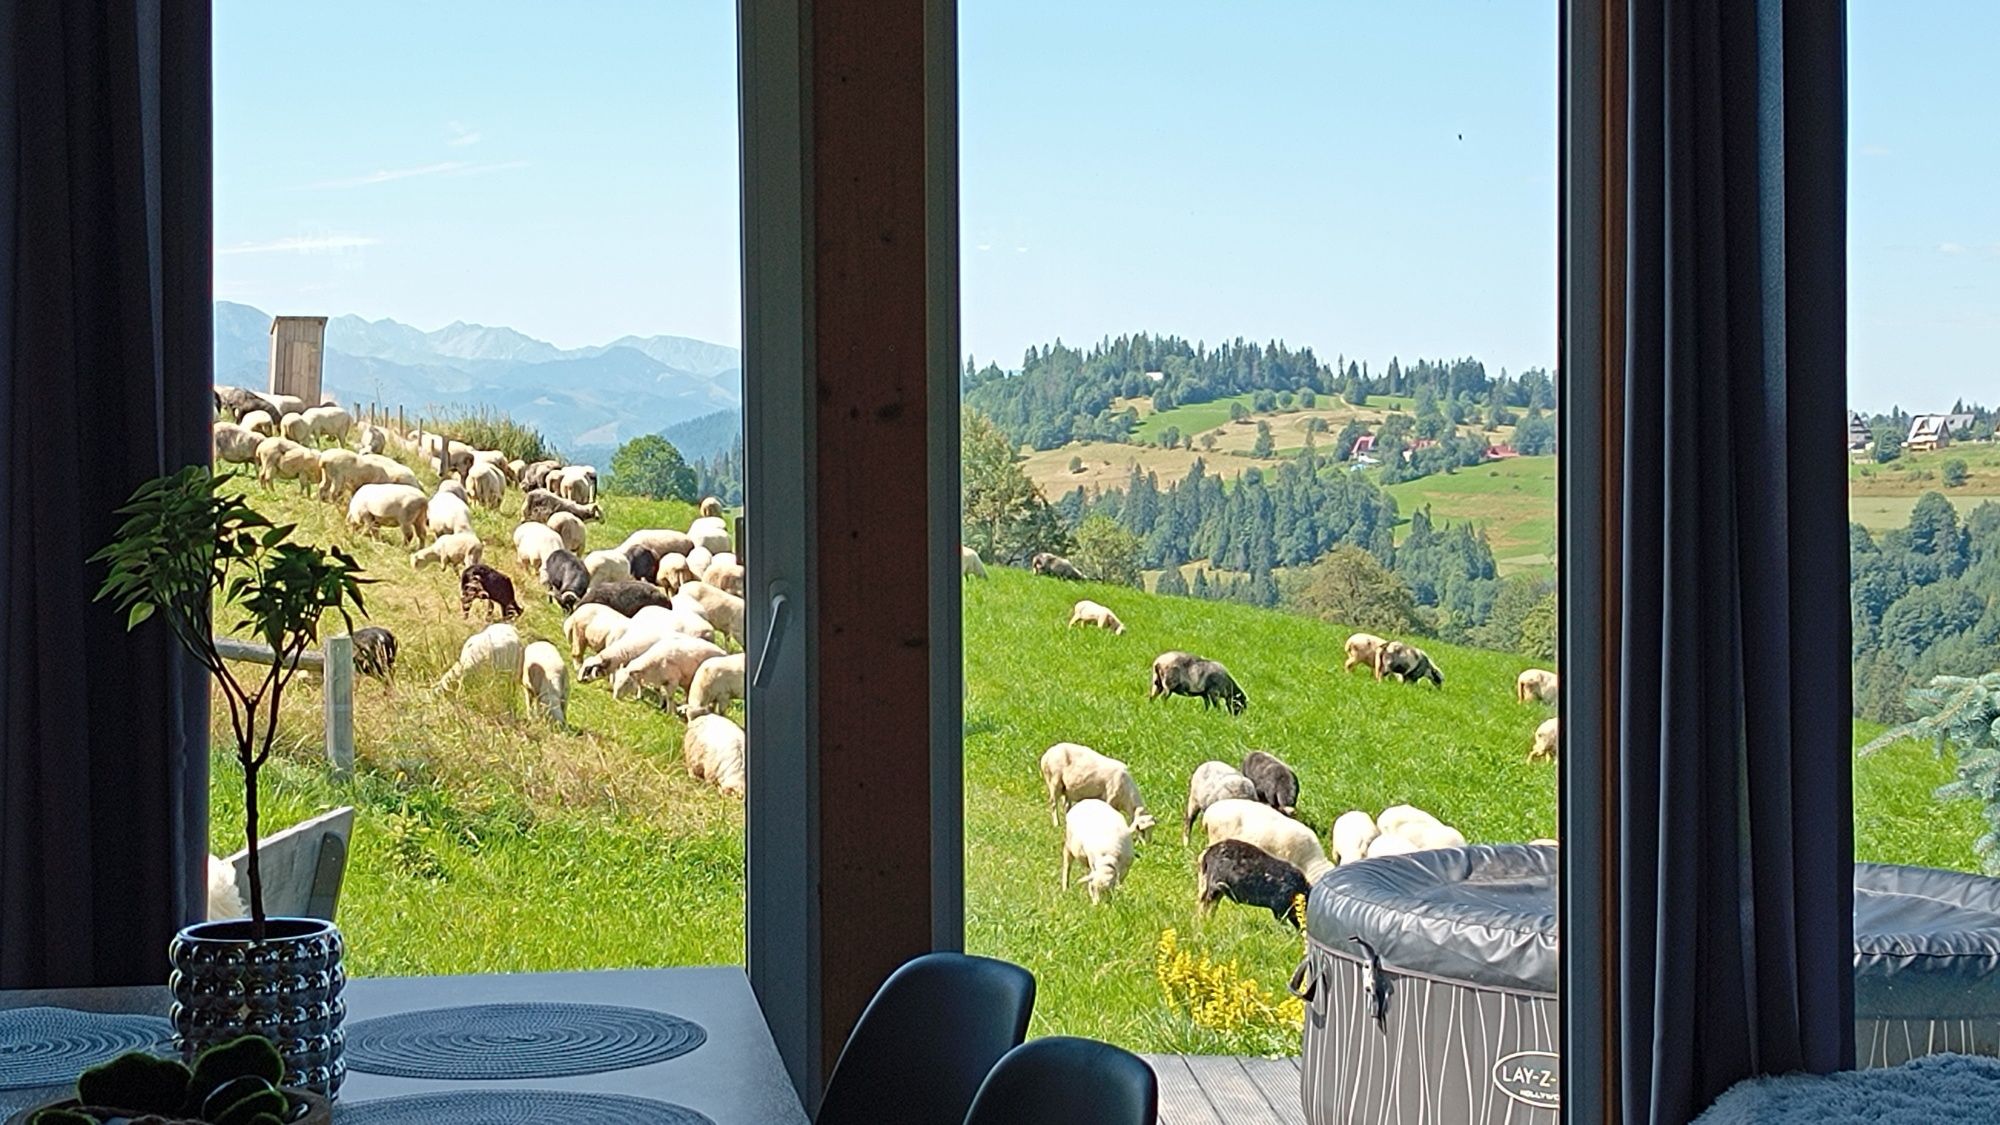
(233, 1083)
(185, 545)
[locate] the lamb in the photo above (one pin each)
(1361, 649)
(710, 506)
(1407, 663)
(592, 627)
(662, 541)
(577, 483)
(713, 749)
(1181, 673)
(446, 514)
(723, 609)
(235, 444)
(1088, 612)
(626, 597)
(541, 502)
(259, 422)
(1537, 684)
(1352, 833)
(545, 680)
(1094, 833)
(1420, 829)
(1055, 566)
(534, 542)
(1258, 824)
(571, 530)
(1073, 772)
(497, 647)
(1245, 874)
(565, 577)
(375, 505)
(479, 582)
(282, 457)
(370, 439)
(486, 484)
(329, 422)
(725, 574)
(644, 564)
(718, 681)
(1547, 738)
(607, 566)
(1212, 782)
(374, 651)
(1277, 783)
(665, 668)
(536, 473)
(969, 564)
(460, 549)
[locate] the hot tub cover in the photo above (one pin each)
(1926, 943)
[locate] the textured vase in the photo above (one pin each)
(286, 987)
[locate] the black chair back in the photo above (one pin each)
(1065, 1079)
(926, 1041)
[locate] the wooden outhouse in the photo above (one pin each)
(297, 356)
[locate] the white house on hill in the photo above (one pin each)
(1934, 431)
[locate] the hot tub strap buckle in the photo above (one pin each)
(1372, 983)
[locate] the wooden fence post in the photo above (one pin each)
(337, 685)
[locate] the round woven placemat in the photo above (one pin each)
(518, 1107)
(511, 1041)
(49, 1046)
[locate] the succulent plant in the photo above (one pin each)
(233, 1083)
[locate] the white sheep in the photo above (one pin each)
(1395, 817)
(1390, 844)
(370, 438)
(718, 681)
(293, 426)
(284, 458)
(669, 620)
(515, 468)
(1538, 684)
(1263, 827)
(498, 460)
(455, 487)
(459, 549)
(698, 561)
(577, 484)
(457, 459)
(645, 630)
(668, 666)
(1087, 612)
(723, 609)
(341, 472)
(727, 576)
(446, 514)
(1361, 649)
(713, 750)
(395, 472)
(606, 566)
(710, 532)
(1352, 833)
(1095, 833)
(1547, 737)
(329, 422)
(545, 680)
(571, 530)
(1418, 828)
(485, 483)
(260, 422)
(662, 541)
(225, 897)
(1072, 772)
(378, 505)
(533, 543)
(969, 564)
(235, 444)
(1212, 782)
(590, 627)
(286, 404)
(710, 506)
(497, 647)
(673, 572)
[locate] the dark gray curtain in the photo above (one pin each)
(105, 254)
(1736, 868)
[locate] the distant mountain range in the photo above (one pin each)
(590, 397)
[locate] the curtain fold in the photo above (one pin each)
(1736, 843)
(105, 365)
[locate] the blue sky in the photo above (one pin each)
(1370, 179)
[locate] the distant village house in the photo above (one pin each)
(1935, 431)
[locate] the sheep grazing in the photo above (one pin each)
(482, 583)
(1245, 874)
(607, 566)
(1407, 663)
(374, 651)
(459, 549)
(669, 620)
(667, 667)
(1547, 738)
(571, 530)
(710, 506)
(499, 461)
(446, 514)
(329, 422)
(969, 563)
(241, 402)
(1361, 650)
(1096, 834)
(1087, 612)
(496, 647)
(713, 749)
(673, 572)
(282, 458)
(259, 422)
(565, 577)
(536, 473)
(235, 444)
(1277, 783)
(1421, 830)
(457, 460)
(1390, 844)
(643, 631)
(541, 503)
(1181, 673)
(589, 628)
(662, 541)
(486, 484)
(1352, 834)
(286, 404)
(515, 468)
(698, 561)
(379, 505)
(626, 597)
(1055, 566)
(725, 574)
(341, 472)
(723, 609)
(718, 681)
(577, 484)
(392, 470)
(1262, 826)
(710, 532)
(370, 439)
(1212, 782)
(644, 564)
(293, 427)
(534, 542)
(545, 681)
(1537, 684)
(1072, 772)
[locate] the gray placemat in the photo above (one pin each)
(495, 1042)
(49, 1046)
(516, 1107)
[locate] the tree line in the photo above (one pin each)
(1925, 601)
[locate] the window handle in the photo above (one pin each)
(774, 633)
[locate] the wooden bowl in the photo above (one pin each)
(318, 1110)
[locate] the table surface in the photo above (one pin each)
(735, 1077)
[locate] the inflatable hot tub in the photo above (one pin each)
(1433, 982)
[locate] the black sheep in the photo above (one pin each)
(1407, 663)
(566, 578)
(1245, 874)
(1277, 784)
(374, 651)
(628, 596)
(480, 582)
(1055, 566)
(1181, 673)
(645, 564)
(541, 504)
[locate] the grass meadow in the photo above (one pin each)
(488, 841)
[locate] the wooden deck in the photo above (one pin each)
(1227, 1090)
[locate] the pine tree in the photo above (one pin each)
(1961, 712)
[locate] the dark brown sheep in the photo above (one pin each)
(1181, 673)
(542, 504)
(480, 582)
(1407, 663)
(1277, 784)
(1245, 874)
(627, 596)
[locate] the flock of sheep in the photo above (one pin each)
(1259, 853)
(649, 615)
